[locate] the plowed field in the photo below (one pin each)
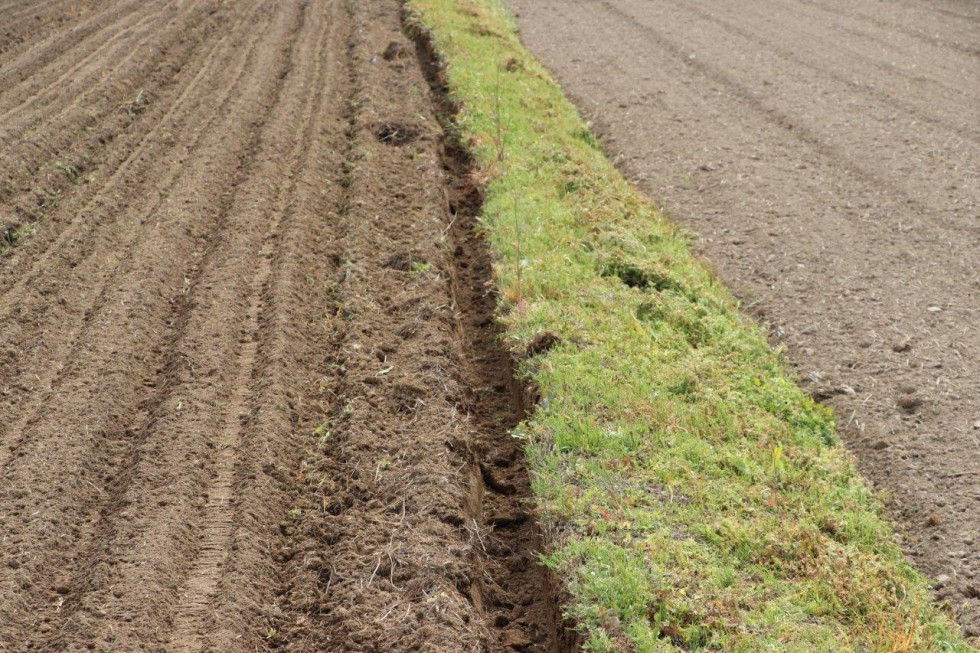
(250, 389)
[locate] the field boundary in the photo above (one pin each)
(691, 495)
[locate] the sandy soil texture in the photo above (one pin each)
(251, 394)
(827, 154)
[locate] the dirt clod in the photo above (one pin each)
(396, 50)
(542, 343)
(910, 403)
(516, 639)
(902, 345)
(396, 134)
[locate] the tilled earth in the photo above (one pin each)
(250, 390)
(827, 152)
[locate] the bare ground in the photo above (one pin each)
(251, 394)
(827, 153)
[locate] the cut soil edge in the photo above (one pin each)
(478, 330)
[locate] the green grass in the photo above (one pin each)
(692, 496)
(10, 236)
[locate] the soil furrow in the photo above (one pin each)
(126, 363)
(43, 138)
(79, 246)
(836, 101)
(297, 300)
(860, 170)
(877, 28)
(151, 517)
(518, 596)
(192, 627)
(352, 578)
(251, 388)
(44, 81)
(293, 334)
(41, 52)
(117, 47)
(822, 55)
(34, 19)
(108, 124)
(13, 12)
(515, 593)
(398, 543)
(58, 146)
(201, 131)
(225, 268)
(37, 11)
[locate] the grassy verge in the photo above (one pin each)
(693, 497)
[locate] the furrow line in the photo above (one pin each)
(77, 244)
(824, 142)
(193, 629)
(885, 28)
(20, 96)
(18, 27)
(747, 25)
(81, 80)
(298, 297)
(39, 55)
(60, 158)
(16, 11)
(157, 201)
(25, 8)
(88, 457)
(59, 141)
(19, 8)
(223, 266)
(397, 536)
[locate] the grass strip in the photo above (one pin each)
(692, 495)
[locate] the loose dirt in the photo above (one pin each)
(251, 390)
(827, 153)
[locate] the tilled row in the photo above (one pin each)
(413, 533)
(73, 231)
(105, 521)
(58, 126)
(41, 34)
(57, 280)
(25, 22)
(243, 406)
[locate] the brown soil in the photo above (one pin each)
(252, 394)
(828, 155)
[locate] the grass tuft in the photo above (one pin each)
(11, 235)
(692, 496)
